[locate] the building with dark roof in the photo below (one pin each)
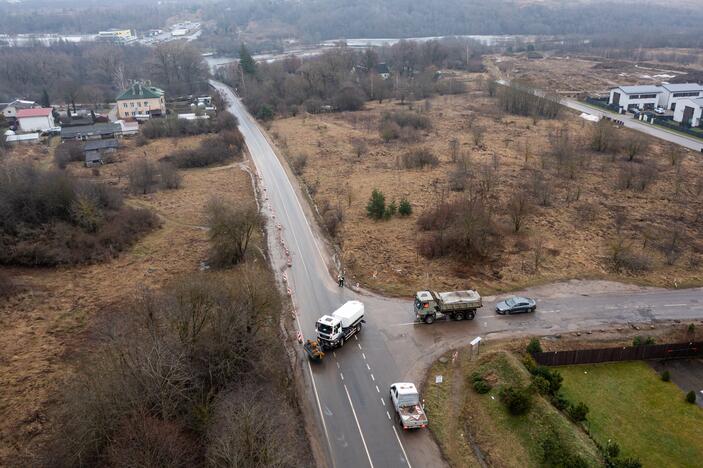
(91, 132)
(95, 150)
(141, 101)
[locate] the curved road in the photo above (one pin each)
(350, 388)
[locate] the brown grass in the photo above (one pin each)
(382, 254)
(49, 320)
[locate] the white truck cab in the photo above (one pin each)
(408, 407)
(333, 330)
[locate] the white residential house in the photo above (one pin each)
(36, 120)
(673, 93)
(689, 112)
(10, 109)
(643, 97)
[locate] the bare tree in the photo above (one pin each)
(142, 176)
(359, 146)
(518, 207)
(231, 228)
(635, 144)
(603, 137)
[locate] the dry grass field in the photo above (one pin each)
(571, 226)
(53, 318)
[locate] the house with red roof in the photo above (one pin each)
(36, 120)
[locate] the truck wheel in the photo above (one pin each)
(470, 315)
(459, 316)
(429, 319)
(341, 342)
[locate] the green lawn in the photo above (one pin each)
(630, 404)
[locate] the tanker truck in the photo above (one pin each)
(333, 330)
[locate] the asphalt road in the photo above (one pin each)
(350, 388)
(629, 121)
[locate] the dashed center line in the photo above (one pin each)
(363, 355)
(358, 344)
(383, 402)
(675, 305)
(368, 367)
(373, 378)
(388, 414)
(341, 375)
(377, 390)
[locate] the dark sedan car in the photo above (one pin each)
(516, 305)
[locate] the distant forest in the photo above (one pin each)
(315, 20)
(330, 19)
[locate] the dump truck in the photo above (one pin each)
(409, 410)
(458, 305)
(334, 330)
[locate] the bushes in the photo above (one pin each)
(666, 376)
(480, 384)
(418, 158)
(48, 218)
(534, 346)
(169, 176)
(640, 341)
(176, 366)
(691, 397)
(612, 459)
(69, 151)
(517, 400)
(230, 231)
(556, 454)
(213, 150)
(405, 208)
(142, 176)
(515, 100)
(298, 163)
(403, 125)
(376, 207)
(577, 412)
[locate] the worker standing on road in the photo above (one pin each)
(340, 280)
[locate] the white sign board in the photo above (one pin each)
(438, 379)
(476, 341)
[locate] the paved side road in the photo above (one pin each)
(350, 389)
(630, 122)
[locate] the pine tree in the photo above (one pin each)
(246, 61)
(45, 102)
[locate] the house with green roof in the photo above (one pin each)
(141, 101)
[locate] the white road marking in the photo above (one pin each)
(358, 344)
(356, 338)
(368, 367)
(377, 390)
(341, 375)
(403, 324)
(383, 402)
(337, 365)
(372, 378)
(388, 414)
(401, 447)
(319, 407)
(363, 355)
(334, 353)
(359, 427)
(675, 305)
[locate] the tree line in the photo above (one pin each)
(95, 73)
(343, 78)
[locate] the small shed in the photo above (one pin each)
(95, 150)
(21, 138)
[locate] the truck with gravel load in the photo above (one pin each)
(334, 330)
(458, 305)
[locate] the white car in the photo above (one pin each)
(659, 110)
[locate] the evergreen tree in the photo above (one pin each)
(45, 102)
(246, 61)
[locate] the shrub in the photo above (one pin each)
(49, 218)
(405, 208)
(389, 131)
(213, 150)
(298, 163)
(408, 119)
(169, 176)
(7, 286)
(556, 454)
(230, 230)
(552, 376)
(517, 400)
(349, 98)
(529, 362)
(418, 158)
(376, 207)
(534, 346)
(578, 412)
(332, 218)
(540, 384)
(142, 176)
(390, 211)
(482, 386)
(666, 376)
(691, 397)
(559, 401)
(69, 151)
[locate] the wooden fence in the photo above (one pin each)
(625, 353)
